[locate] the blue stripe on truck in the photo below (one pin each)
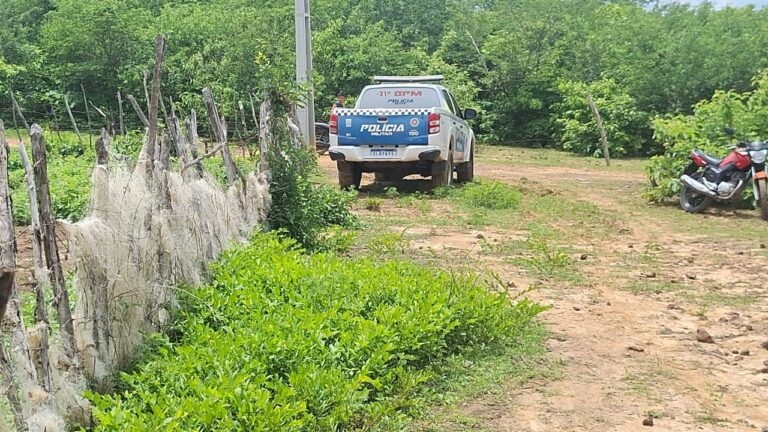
(361, 128)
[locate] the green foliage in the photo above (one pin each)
(576, 129)
(746, 112)
(286, 341)
(302, 206)
(69, 177)
(492, 195)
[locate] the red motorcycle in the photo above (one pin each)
(708, 178)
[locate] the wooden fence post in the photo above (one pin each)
(220, 131)
(599, 123)
(265, 133)
(152, 145)
(61, 298)
(24, 369)
(74, 123)
(120, 113)
(40, 271)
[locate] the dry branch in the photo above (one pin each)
(17, 108)
(265, 133)
(192, 140)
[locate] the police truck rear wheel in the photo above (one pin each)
(442, 172)
(349, 175)
(466, 171)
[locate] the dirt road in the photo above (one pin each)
(653, 282)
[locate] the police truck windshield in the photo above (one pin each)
(399, 97)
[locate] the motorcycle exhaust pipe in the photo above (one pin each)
(698, 186)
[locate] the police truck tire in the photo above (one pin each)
(466, 171)
(442, 172)
(349, 175)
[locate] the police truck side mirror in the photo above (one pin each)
(469, 114)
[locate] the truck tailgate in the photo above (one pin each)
(383, 127)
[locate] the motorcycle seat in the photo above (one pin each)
(711, 160)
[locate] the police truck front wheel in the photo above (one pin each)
(349, 175)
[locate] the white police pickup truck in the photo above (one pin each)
(402, 126)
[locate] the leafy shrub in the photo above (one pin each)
(625, 125)
(302, 206)
(290, 342)
(747, 113)
(493, 195)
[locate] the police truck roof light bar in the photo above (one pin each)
(381, 79)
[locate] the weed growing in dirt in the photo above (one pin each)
(285, 341)
(389, 244)
(490, 195)
(373, 204)
(391, 192)
(548, 262)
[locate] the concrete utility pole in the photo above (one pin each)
(304, 71)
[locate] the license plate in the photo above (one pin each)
(383, 153)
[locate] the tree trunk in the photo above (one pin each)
(599, 123)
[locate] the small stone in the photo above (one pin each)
(673, 306)
(689, 259)
(608, 304)
(631, 246)
(734, 351)
(583, 257)
(738, 358)
(691, 276)
(511, 284)
(749, 327)
(480, 236)
(704, 337)
(762, 245)
(635, 349)
(650, 275)
(740, 253)
(764, 370)
(764, 344)
(576, 308)
(744, 352)
(648, 421)
(765, 362)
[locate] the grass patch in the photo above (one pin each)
(713, 298)
(650, 286)
(286, 341)
(488, 195)
(646, 380)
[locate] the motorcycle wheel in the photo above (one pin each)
(322, 140)
(762, 197)
(692, 201)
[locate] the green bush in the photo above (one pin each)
(283, 341)
(491, 194)
(302, 206)
(747, 113)
(69, 184)
(625, 125)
